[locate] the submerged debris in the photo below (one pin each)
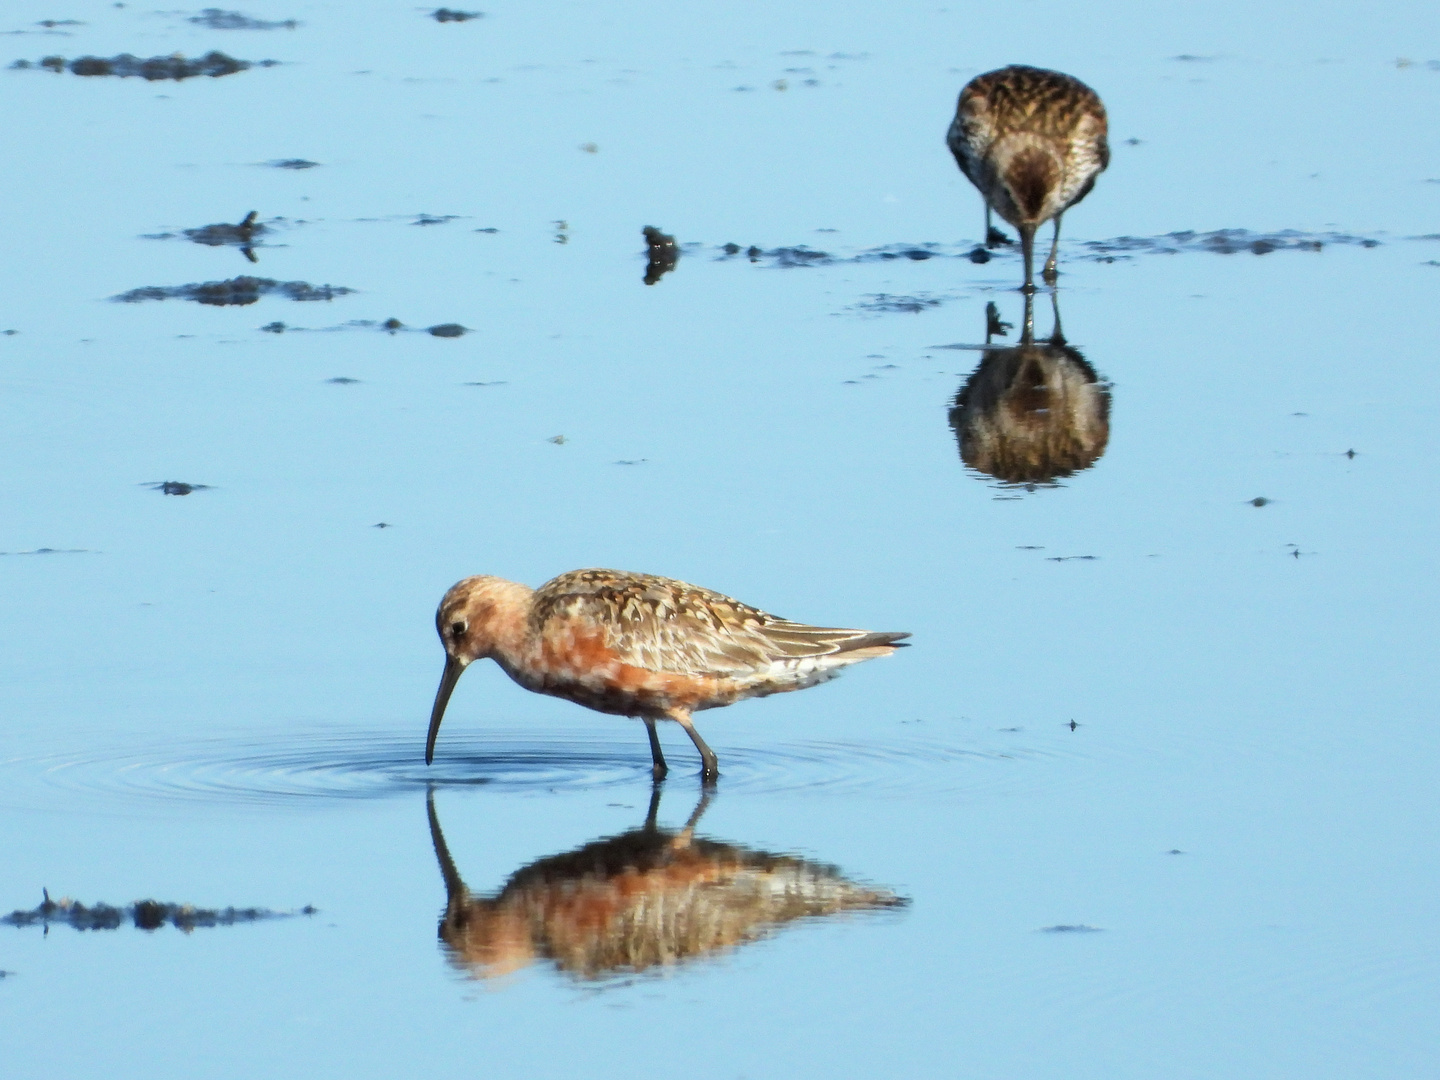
(235, 292)
(448, 15)
(449, 329)
(663, 254)
(215, 19)
(884, 302)
(242, 235)
(143, 914)
(293, 163)
(177, 67)
(175, 487)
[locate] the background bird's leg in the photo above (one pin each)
(710, 764)
(1027, 329)
(657, 770)
(1027, 248)
(1050, 273)
(993, 237)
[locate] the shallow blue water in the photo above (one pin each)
(220, 698)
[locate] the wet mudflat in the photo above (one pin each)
(1155, 781)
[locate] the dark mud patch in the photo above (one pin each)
(388, 326)
(1221, 242)
(662, 254)
(143, 915)
(52, 551)
(450, 15)
(886, 303)
(155, 69)
(237, 292)
(174, 487)
(216, 19)
(1217, 242)
(292, 163)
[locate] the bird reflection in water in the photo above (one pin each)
(1032, 412)
(650, 898)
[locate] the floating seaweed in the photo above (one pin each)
(215, 19)
(146, 915)
(156, 68)
(235, 292)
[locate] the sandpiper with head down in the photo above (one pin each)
(1033, 142)
(637, 645)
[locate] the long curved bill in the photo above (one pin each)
(448, 678)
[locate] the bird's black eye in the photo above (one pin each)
(457, 629)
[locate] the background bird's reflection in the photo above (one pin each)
(1031, 412)
(648, 898)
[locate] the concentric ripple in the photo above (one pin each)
(295, 766)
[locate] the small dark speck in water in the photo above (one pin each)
(392, 324)
(497, 382)
(979, 255)
(382, 525)
(234, 292)
(175, 487)
(1072, 725)
(1132, 141)
(242, 235)
(449, 329)
(1072, 558)
(274, 328)
(10, 333)
(558, 440)
(632, 461)
(293, 163)
(1261, 500)
(343, 380)
(1175, 851)
(215, 19)
(1350, 454)
(662, 252)
(434, 219)
(449, 15)
(1030, 547)
(1010, 730)
(156, 68)
(1070, 928)
(489, 230)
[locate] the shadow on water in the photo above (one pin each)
(645, 900)
(1031, 413)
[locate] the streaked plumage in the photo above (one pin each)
(637, 645)
(648, 898)
(1032, 412)
(1032, 141)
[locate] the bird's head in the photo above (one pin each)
(476, 617)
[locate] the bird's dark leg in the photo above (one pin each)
(654, 810)
(1027, 329)
(1050, 273)
(993, 237)
(1057, 336)
(710, 764)
(1027, 248)
(657, 770)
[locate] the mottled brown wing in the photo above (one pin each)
(661, 624)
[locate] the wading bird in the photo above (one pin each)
(637, 645)
(1033, 142)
